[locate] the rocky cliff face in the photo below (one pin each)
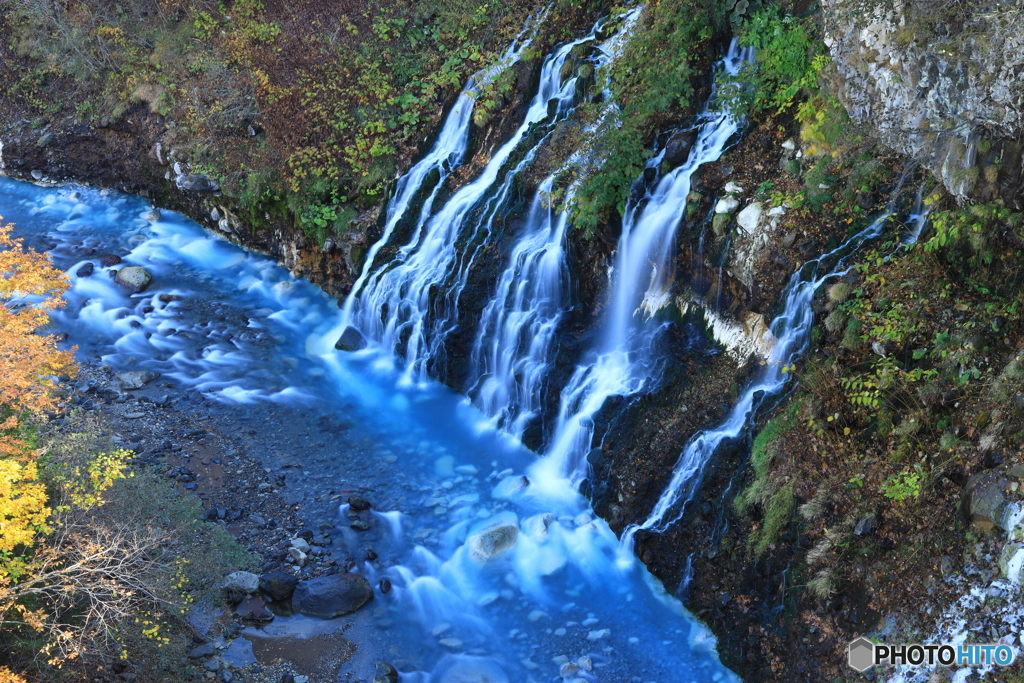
(940, 82)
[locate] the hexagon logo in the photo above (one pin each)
(861, 654)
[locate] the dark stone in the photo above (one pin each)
(866, 200)
(677, 149)
(278, 586)
(358, 503)
(202, 651)
(110, 260)
(360, 525)
(866, 525)
(254, 609)
(86, 270)
(197, 182)
(371, 556)
(350, 340)
(985, 501)
(305, 534)
(650, 175)
(385, 586)
(332, 596)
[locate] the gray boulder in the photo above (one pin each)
(238, 585)
(678, 147)
(493, 537)
(350, 340)
(135, 278)
(987, 500)
(278, 586)
(135, 379)
(331, 596)
(197, 182)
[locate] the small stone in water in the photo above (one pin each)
(568, 669)
(589, 622)
(559, 631)
(385, 586)
(466, 469)
(441, 628)
(451, 643)
(585, 663)
(598, 635)
(360, 525)
(634, 640)
(358, 503)
(537, 615)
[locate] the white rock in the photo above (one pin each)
(750, 216)
(493, 537)
(301, 544)
(1011, 561)
(727, 204)
(789, 145)
(242, 582)
(297, 556)
(599, 635)
(732, 187)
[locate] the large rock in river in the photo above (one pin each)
(350, 340)
(493, 536)
(278, 585)
(134, 278)
(331, 596)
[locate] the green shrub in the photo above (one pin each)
(790, 56)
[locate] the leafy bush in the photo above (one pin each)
(653, 82)
(789, 59)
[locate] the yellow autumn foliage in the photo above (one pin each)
(23, 509)
(8, 676)
(30, 288)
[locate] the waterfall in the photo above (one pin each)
(444, 245)
(511, 351)
(446, 153)
(791, 329)
(625, 360)
(510, 354)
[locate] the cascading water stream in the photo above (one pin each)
(431, 260)
(446, 153)
(510, 354)
(791, 329)
(625, 360)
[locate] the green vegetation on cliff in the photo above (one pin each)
(304, 110)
